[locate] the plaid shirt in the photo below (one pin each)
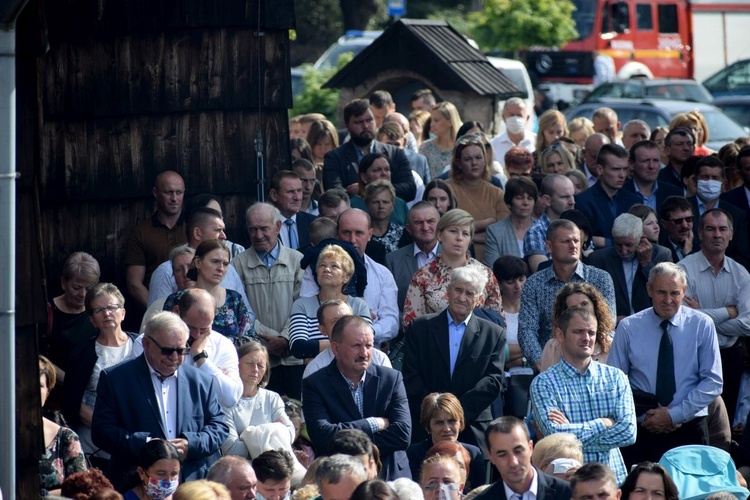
(535, 240)
(538, 300)
(358, 393)
(585, 398)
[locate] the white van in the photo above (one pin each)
(516, 73)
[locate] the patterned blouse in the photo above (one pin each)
(391, 238)
(428, 291)
(437, 159)
(61, 458)
(232, 318)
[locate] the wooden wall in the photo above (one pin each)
(112, 92)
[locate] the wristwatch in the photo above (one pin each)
(200, 356)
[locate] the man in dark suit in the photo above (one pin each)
(186, 411)
(454, 351)
(510, 447)
(629, 262)
(606, 199)
(679, 145)
(740, 196)
(644, 160)
(352, 393)
(421, 223)
(340, 166)
(676, 219)
(286, 195)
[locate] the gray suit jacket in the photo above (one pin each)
(501, 240)
(403, 264)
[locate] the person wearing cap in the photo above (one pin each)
(585, 398)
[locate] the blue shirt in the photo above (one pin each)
(585, 398)
(697, 367)
(358, 394)
(535, 239)
(651, 200)
(455, 335)
(538, 300)
(269, 258)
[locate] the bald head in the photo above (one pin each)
(397, 118)
(591, 148)
(354, 226)
(169, 193)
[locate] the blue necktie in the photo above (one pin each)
(293, 241)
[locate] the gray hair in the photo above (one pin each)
(627, 225)
(667, 269)
(221, 471)
(469, 275)
(180, 250)
(637, 122)
(406, 489)
(270, 210)
(165, 321)
(514, 101)
(333, 469)
(721, 495)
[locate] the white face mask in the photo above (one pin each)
(515, 124)
(709, 190)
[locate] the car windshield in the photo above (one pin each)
(679, 91)
(625, 114)
(515, 75)
(584, 17)
(721, 127)
(627, 90)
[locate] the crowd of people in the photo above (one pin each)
(423, 312)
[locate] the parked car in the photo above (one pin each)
(659, 112)
(661, 88)
(352, 42)
(736, 107)
(732, 80)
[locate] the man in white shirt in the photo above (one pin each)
(381, 294)
(516, 117)
(211, 352)
(328, 312)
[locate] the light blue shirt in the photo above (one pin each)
(455, 335)
(422, 258)
(697, 367)
(651, 200)
(270, 258)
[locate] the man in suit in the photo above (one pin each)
(679, 145)
(340, 166)
(186, 411)
(740, 196)
(454, 351)
(676, 219)
(629, 262)
(352, 393)
(591, 148)
(286, 195)
(606, 199)
(421, 223)
(645, 160)
(510, 447)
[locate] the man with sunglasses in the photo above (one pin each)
(154, 397)
(676, 218)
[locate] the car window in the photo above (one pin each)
(516, 75)
(668, 19)
(643, 19)
(680, 92)
(738, 112)
(721, 127)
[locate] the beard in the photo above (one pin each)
(362, 140)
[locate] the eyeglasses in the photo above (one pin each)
(680, 220)
(110, 309)
(167, 351)
(440, 486)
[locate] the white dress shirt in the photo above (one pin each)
(166, 397)
(502, 143)
(528, 495)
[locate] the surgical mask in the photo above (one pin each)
(709, 190)
(159, 490)
(515, 124)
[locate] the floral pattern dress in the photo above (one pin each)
(391, 238)
(428, 290)
(232, 318)
(437, 159)
(60, 459)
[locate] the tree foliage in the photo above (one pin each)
(512, 25)
(315, 99)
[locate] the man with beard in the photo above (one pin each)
(341, 166)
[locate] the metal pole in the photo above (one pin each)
(7, 262)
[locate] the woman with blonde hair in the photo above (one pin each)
(444, 124)
(580, 129)
(557, 159)
(696, 123)
(417, 121)
(552, 126)
(558, 454)
(202, 489)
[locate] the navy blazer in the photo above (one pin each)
(477, 377)
(594, 203)
(127, 414)
(609, 260)
(403, 264)
(548, 488)
(341, 168)
(664, 191)
(330, 407)
(303, 229)
(669, 175)
(736, 197)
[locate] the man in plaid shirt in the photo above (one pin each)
(588, 399)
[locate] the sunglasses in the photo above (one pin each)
(167, 351)
(680, 220)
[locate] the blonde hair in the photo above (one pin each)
(565, 155)
(548, 119)
(558, 445)
(581, 124)
(340, 255)
(456, 217)
(450, 112)
(376, 187)
(202, 489)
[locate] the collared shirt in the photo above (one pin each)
(360, 154)
(222, 364)
(381, 296)
(651, 200)
(538, 298)
(456, 333)
(592, 180)
(284, 233)
(702, 206)
(635, 351)
(585, 398)
(502, 143)
(358, 394)
(535, 240)
(312, 208)
(528, 495)
(629, 268)
(269, 258)
(424, 258)
(731, 287)
(166, 397)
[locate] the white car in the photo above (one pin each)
(516, 72)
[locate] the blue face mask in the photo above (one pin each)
(159, 490)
